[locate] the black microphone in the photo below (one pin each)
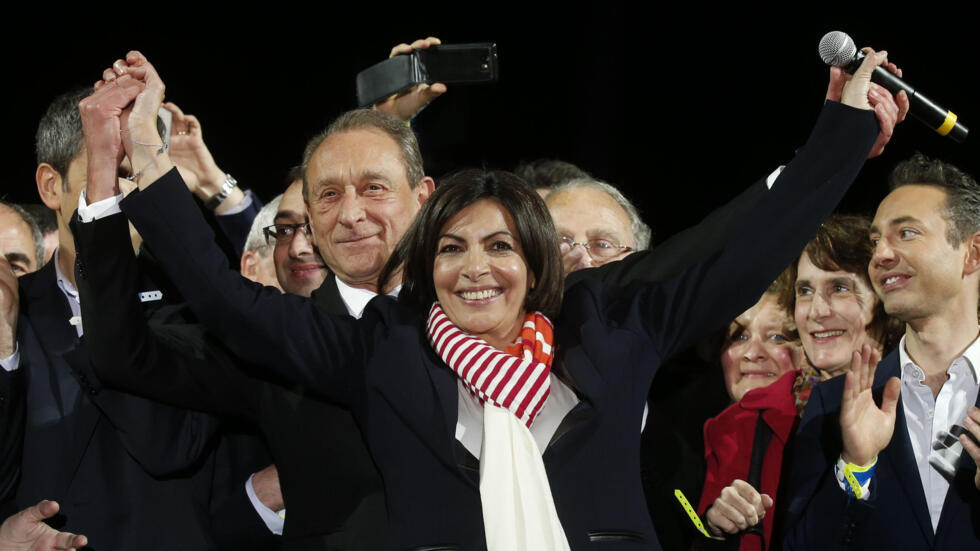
(836, 48)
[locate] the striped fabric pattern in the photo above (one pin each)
(517, 380)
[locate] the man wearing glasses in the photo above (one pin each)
(299, 268)
(597, 224)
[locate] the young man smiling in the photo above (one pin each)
(884, 491)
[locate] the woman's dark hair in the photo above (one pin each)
(842, 244)
(414, 256)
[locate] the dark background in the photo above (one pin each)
(681, 109)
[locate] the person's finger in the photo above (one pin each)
(857, 369)
(902, 99)
(140, 67)
(836, 83)
(855, 92)
(135, 58)
(879, 95)
(120, 66)
(173, 108)
(419, 44)
(753, 501)
(968, 444)
(746, 510)
(435, 90)
(972, 424)
(69, 542)
(400, 49)
(109, 75)
(866, 366)
(429, 41)
(717, 520)
(47, 509)
(734, 517)
(767, 501)
(889, 400)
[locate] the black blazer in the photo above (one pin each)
(896, 515)
(128, 473)
(611, 340)
(331, 487)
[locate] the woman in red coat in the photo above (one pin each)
(744, 445)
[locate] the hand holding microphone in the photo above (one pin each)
(838, 49)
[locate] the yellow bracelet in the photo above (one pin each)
(864, 472)
(691, 513)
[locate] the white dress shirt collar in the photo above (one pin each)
(913, 373)
(356, 300)
(70, 292)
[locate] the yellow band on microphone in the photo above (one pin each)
(948, 124)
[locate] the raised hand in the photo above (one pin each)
(192, 157)
(9, 307)
(140, 136)
(407, 104)
(864, 94)
(739, 507)
(26, 531)
(972, 424)
(865, 428)
(101, 115)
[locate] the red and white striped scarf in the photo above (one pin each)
(518, 510)
(517, 380)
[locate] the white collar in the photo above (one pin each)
(63, 282)
(356, 300)
(911, 372)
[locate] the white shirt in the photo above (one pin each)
(927, 416)
(356, 300)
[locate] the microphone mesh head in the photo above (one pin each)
(836, 48)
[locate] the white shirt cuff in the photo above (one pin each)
(272, 520)
(771, 179)
(839, 474)
(11, 362)
(99, 209)
(246, 202)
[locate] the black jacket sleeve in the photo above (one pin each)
(164, 440)
(176, 364)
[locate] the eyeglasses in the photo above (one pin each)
(598, 249)
(284, 233)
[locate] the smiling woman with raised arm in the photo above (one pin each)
(492, 427)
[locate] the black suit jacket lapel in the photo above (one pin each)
(49, 313)
(962, 492)
(899, 452)
(442, 383)
(327, 296)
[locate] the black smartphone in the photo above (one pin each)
(447, 63)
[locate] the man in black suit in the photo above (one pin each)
(129, 473)
(888, 424)
(370, 164)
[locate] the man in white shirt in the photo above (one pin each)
(888, 488)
